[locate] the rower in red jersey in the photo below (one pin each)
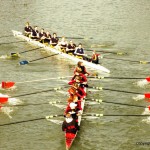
(76, 89)
(74, 106)
(95, 58)
(70, 127)
(54, 40)
(80, 79)
(27, 29)
(81, 68)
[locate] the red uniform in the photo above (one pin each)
(70, 126)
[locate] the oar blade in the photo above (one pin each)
(14, 54)
(24, 62)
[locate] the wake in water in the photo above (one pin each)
(147, 120)
(7, 111)
(146, 111)
(8, 89)
(142, 83)
(139, 97)
(3, 57)
(14, 101)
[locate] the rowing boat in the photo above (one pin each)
(71, 137)
(50, 49)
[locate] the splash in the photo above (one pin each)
(142, 83)
(3, 57)
(14, 101)
(147, 120)
(7, 111)
(139, 97)
(146, 111)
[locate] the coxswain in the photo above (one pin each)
(62, 45)
(79, 52)
(54, 40)
(71, 48)
(70, 126)
(35, 33)
(27, 29)
(81, 68)
(95, 58)
(42, 36)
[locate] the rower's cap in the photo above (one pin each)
(72, 105)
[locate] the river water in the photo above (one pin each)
(121, 25)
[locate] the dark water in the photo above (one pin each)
(121, 25)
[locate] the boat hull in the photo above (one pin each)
(72, 58)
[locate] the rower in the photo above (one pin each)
(54, 40)
(27, 29)
(74, 107)
(71, 48)
(80, 79)
(79, 52)
(62, 45)
(70, 126)
(47, 37)
(35, 33)
(81, 68)
(76, 89)
(42, 35)
(95, 58)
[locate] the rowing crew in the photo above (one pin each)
(62, 45)
(76, 95)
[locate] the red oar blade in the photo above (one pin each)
(3, 98)
(148, 79)
(147, 95)
(7, 85)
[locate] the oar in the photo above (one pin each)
(12, 42)
(13, 53)
(102, 77)
(53, 89)
(136, 61)
(24, 62)
(116, 115)
(118, 53)
(23, 121)
(36, 119)
(85, 38)
(10, 84)
(99, 101)
(102, 101)
(145, 95)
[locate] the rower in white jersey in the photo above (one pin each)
(62, 45)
